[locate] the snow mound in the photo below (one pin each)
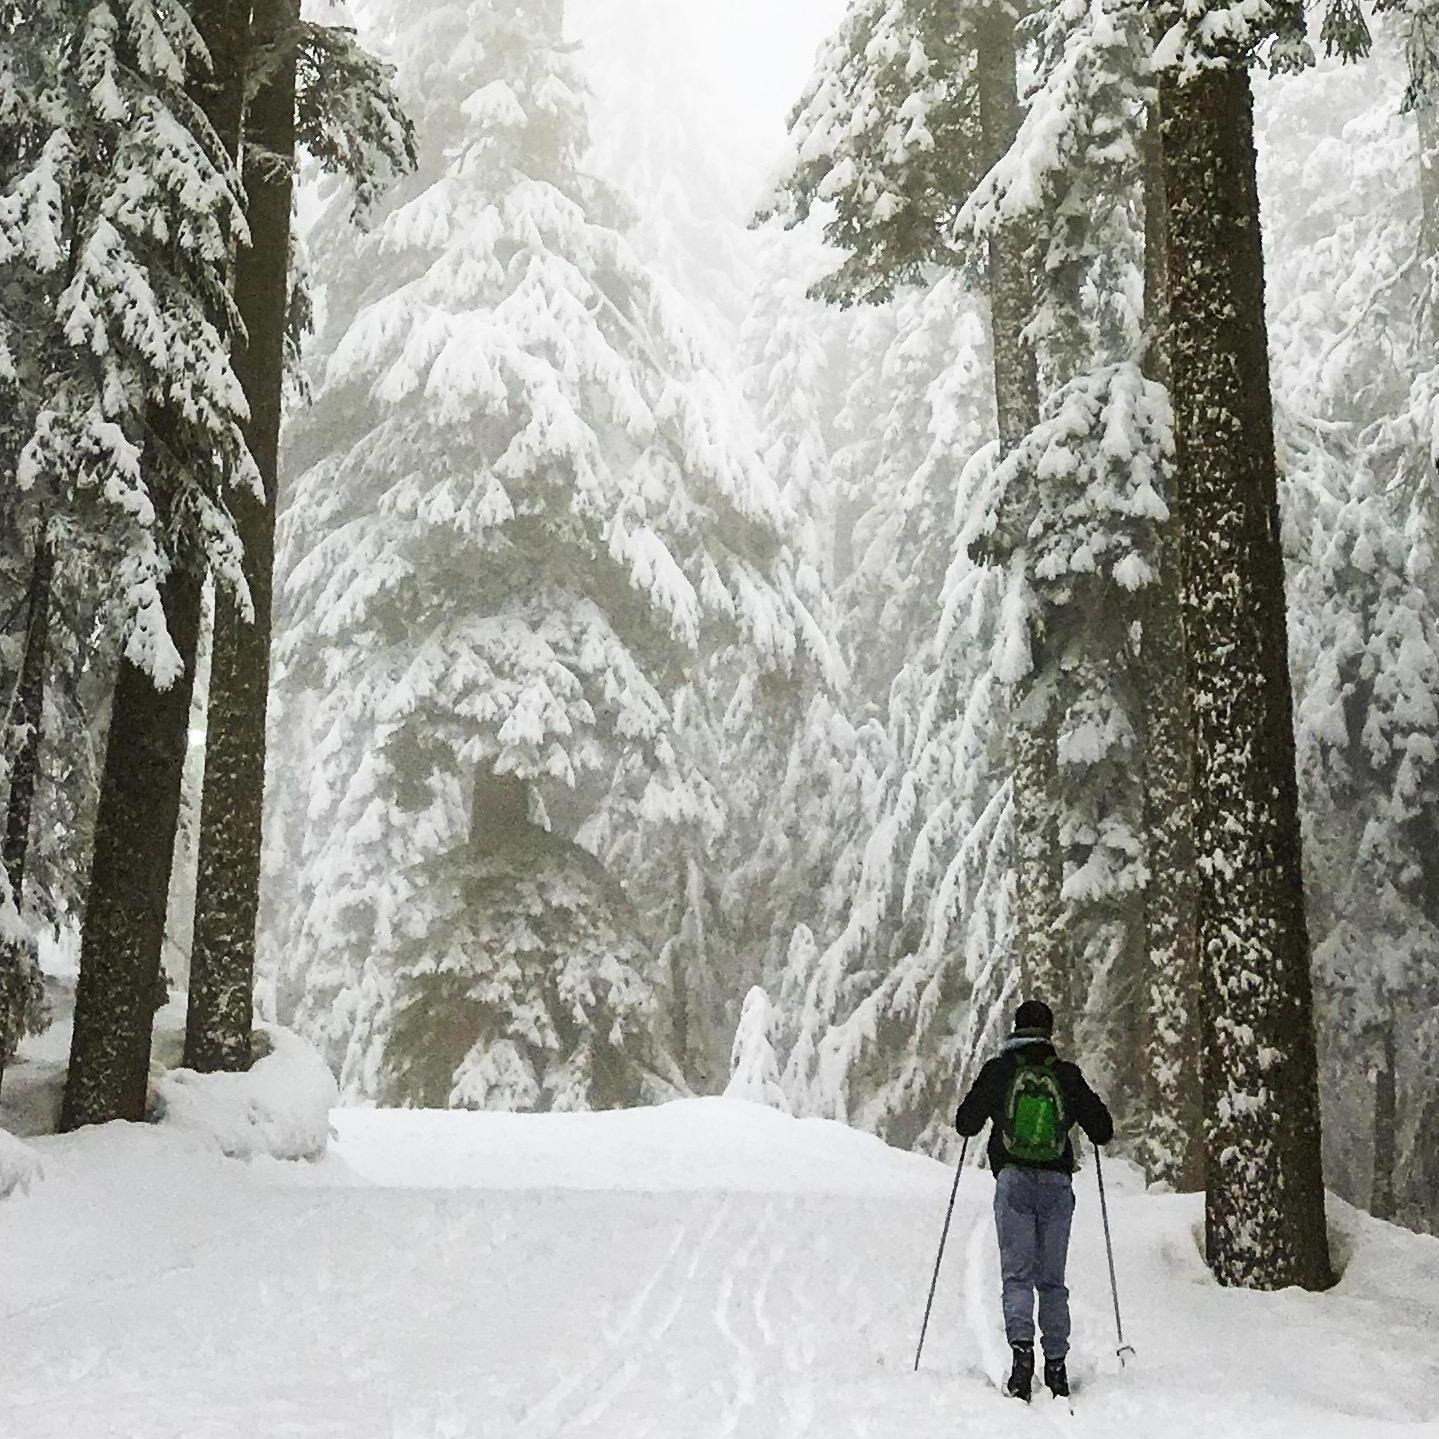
(688, 1145)
(280, 1108)
(19, 1165)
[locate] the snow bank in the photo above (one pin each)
(280, 1108)
(19, 1165)
(690, 1144)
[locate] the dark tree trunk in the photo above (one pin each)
(1386, 1121)
(26, 721)
(1044, 965)
(1265, 1222)
(27, 715)
(1010, 282)
(1173, 1142)
(222, 966)
(124, 926)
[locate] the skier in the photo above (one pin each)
(1031, 1098)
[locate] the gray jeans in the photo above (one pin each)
(1033, 1209)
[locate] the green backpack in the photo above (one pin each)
(1036, 1127)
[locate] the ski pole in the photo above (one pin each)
(1123, 1348)
(939, 1258)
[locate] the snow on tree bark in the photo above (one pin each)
(1172, 1145)
(1381, 1195)
(120, 984)
(1265, 1223)
(20, 985)
(222, 966)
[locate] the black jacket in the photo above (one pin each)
(985, 1102)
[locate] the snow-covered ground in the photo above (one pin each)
(705, 1269)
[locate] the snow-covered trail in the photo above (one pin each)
(701, 1271)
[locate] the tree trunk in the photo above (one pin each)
(1265, 1222)
(1173, 1142)
(1044, 966)
(222, 966)
(1386, 1120)
(124, 926)
(26, 721)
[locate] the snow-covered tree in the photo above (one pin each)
(754, 1069)
(121, 210)
(1089, 481)
(896, 1010)
(1357, 373)
(316, 90)
(912, 103)
(789, 342)
(502, 581)
(1265, 1200)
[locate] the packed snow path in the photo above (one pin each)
(705, 1270)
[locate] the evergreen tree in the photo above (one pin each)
(1361, 530)
(897, 1009)
(1265, 1198)
(1090, 477)
(1171, 1149)
(217, 1029)
(754, 1070)
(32, 510)
(123, 210)
(890, 1011)
(502, 587)
(347, 115)
(788, 340)
(22, 1008)
(911, 104)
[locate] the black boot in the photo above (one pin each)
(1021, 1376)
(1056, 1378)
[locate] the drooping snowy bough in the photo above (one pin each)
(500, 586)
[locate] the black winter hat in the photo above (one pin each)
(1034, 1017)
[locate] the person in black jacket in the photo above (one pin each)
(1030, 1098)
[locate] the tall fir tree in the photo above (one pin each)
(313, 88)
(1089, 478)
(911, 105)
(505, 583)
(1172, 1146)
(1265, 1221)
(1357, 374)
(220, 991)
(184, 456)
(125, 211)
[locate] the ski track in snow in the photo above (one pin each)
(155, 1291)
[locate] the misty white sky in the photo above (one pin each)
(756, 53)
(741, 63)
